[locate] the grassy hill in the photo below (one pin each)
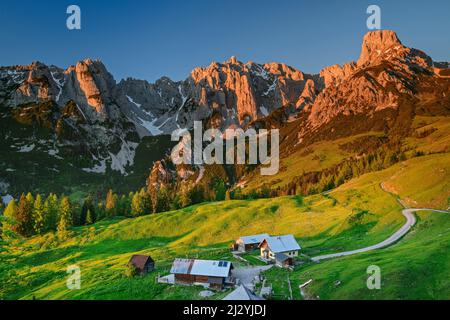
(357, 214)
(415, 268)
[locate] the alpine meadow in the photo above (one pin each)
(332, 185)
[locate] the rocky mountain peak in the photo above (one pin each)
(386, 75)
(233, 60)
(376, 43)
(91, 80)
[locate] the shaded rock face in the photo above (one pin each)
(88, 84)
(77, 105)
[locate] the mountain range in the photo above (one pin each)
(82, 122)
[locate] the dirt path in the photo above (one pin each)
(410, 222)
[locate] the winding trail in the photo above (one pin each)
(410, 222)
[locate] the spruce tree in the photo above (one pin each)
(89, 219)
(38, 215)
(24, 216)
(88, 205)
(162, 200)
(65, 218)
(136, 205)
(9, 224)
(185, 195)
(51, 212)
(111, 203)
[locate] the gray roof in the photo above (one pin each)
(281, 257)
(281, 244)
(242, 293)
(210, 268)
(258, 238)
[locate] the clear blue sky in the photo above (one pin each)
(148, 39)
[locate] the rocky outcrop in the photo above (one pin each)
(386, 76)
(242, 93)
(229, 94)
(442, 69)
(335, 74)
(376, 44)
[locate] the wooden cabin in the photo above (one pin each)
(280, 250)
(214, 274)
(249, 243)
(143, 264)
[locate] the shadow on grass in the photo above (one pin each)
(97, 250)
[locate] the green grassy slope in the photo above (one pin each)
(357, 214)
(415, 268)
(316, 157)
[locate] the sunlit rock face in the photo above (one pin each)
(385, 73)
(242, 93)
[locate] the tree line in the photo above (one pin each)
(34, 215)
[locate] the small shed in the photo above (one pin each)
(283, 260)
(249, 243)
(143, 264)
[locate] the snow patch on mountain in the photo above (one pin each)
(99, 168)
(264, 111)
(271, 88)
(133, 102)
(26, 148)
(7, 199)
(150, 126)
(59, 84)
(124, 158)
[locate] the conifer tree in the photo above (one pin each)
(111, 203)
(162, 200)
(51, 212)
(38, 215)
(135, 205)
(185, 195)
(10, 218)
(100, 211)
(88, 205)
(65, 218)
(24, 216)
(89, 219)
